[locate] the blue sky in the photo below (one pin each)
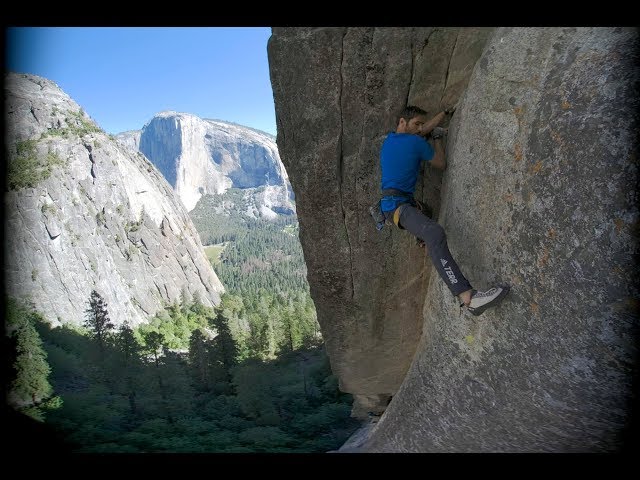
(123, 76)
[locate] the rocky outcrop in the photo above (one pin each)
(83, 212)
(333, 112)
(199, 157)
(539, 193)
(130, 139)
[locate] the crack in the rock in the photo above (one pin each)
(341, 166)
(446, 76)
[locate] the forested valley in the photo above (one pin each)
(250, 375)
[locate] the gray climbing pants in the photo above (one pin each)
(432, 234)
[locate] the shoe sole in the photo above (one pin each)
(493, 303)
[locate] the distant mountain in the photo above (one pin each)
(207, 157)
(262, 132)
(83, 212)
(130, 139)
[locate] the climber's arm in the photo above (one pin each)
(438, 161)
(431, 124)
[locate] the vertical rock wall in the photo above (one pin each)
(337, 91)
(540, 193)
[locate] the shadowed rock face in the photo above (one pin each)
(540, 193)
(104, 219)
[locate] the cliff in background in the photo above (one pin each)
(83, 212)
(540, 192)
(200, 156)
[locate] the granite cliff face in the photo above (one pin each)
(368, 286)
(199, 157)
(130, 139)
(102, 218)
(540, 193)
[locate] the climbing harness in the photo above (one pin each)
(376, 209)
(392, 192)
(394, 219)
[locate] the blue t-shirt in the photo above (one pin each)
(400, 158)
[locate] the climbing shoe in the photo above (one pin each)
(480, 301)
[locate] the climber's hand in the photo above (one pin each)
(438, 132)
(450, 110)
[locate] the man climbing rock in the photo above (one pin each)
(400, 157)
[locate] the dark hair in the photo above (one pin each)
(409, 112)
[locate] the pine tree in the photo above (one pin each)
(197, 306)
(154, 342)
(224, 350)
(185, 300)
(28, 366)
(290, 325)
(97, 320)
(127, 367)
(199, 359)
